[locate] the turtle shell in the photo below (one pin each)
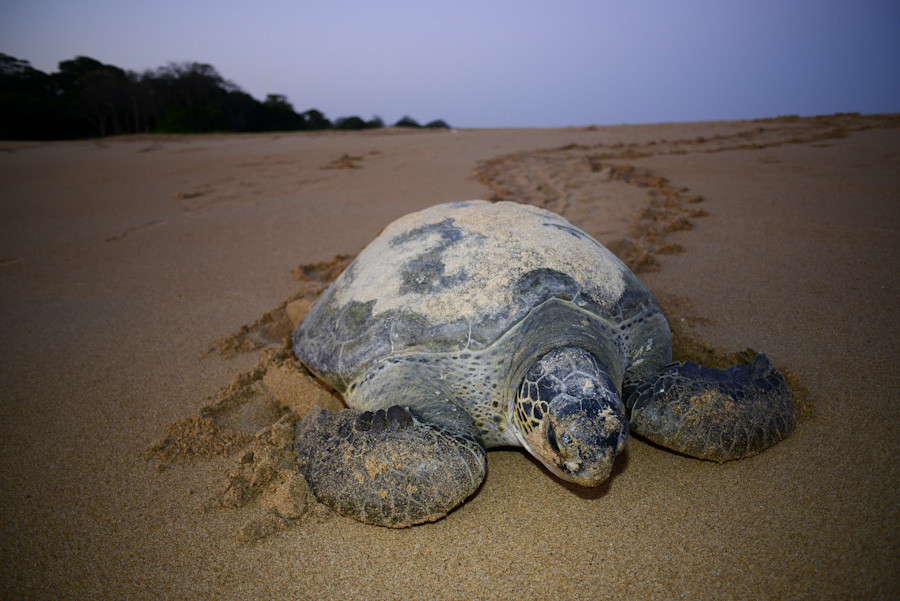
(456, 277)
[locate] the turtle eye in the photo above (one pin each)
(566, 438)
(551, 438)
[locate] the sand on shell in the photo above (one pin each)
(148, 292)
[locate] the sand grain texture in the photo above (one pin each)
(147, 289)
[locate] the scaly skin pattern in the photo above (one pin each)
(714, 414)
(389, 468)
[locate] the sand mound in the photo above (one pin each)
(255, 414)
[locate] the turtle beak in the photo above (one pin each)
(587, 435)
(587, 474)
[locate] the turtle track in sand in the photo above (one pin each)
(574, 180)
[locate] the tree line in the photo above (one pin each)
(86, 98)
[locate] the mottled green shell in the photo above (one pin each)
(454, 278)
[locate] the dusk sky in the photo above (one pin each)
(498, 64)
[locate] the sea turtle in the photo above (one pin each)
(473, 325)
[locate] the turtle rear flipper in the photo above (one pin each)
(716, 414)
(390, 468)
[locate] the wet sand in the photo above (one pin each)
(148, 283)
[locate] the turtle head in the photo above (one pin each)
(569, 415)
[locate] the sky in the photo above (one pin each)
(525, 63)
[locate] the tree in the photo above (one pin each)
(194, 98)
(353, 122)
(278, 101)
(407, 121)
(95, 93)
(278, 115)
(315, 120)
(12, 66)
(147, 101)
(29, 105)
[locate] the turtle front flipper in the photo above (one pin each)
(393, 467)
(716, 414)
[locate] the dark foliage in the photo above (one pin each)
(407, 121)
(355, 122)
(87, 98)
(315, 120)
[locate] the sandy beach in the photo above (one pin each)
(148, 283)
